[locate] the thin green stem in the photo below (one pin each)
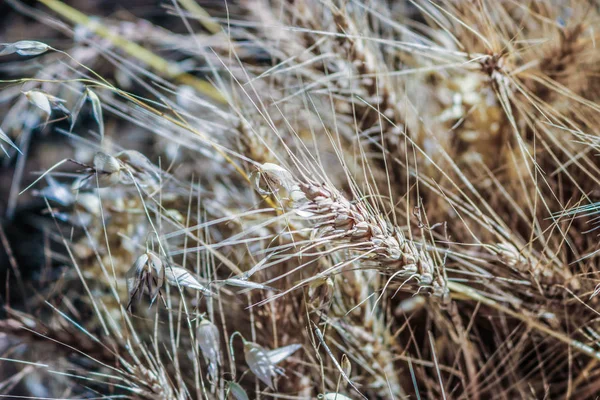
(154, 61)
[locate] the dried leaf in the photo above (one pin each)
(96, 111)
(4, 137)
(182, 277)
(208, 340)
(24, 48)
(280, 354)
(237, 391)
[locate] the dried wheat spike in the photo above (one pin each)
(384, 244)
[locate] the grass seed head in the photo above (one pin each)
(208, 340)
(147, 272)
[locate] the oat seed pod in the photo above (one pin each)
(208, 340)
(96, 110)
(106, 163)
(320, 293)
(237, 391)
(142, 170)
(257, 358)
(278, 355)
(108, 169)
(277, 177)
(39, 99)
(56, 192)
(24, 48)
(332, 396)
(181, 277)
(263, 362)
(147, 270)
(247, 285)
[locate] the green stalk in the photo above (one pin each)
(203, 17)
(154, 61)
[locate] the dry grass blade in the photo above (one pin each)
(4, 137)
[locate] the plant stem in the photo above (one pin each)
(528, 320)
(154, 61)
(200, 13)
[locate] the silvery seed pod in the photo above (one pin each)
(57, 192)
(40, 100)
(182, 277)
(263, 362)
(320, 293)
(156, 264)
(135, 275)
(346, 365)
(276, 177)
(108, 169)
(281, 353)
(24, 48)
(106, 163)
(208, 340)
(333, 396)
(246, 284)
(77, 109)
(89, 202)
(144, 171)
(96, 110)
(237, 391)
(257, 358)
(146, 268)
(409, 305)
